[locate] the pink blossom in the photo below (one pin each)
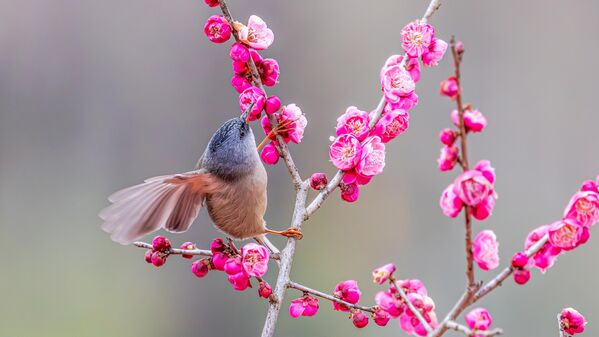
(447, 136)
(239, 52)
(200, 268)
(219, 260)
(345, 152)
(359, 319)
(211, 3)
(397, 83)
(521, 276)
(474, 120)
(381, 274)
(240, 83)
(350, 192)
(254, 259)
(268, 70)
(485, 250)
(303, 306)
(158, 259)
(412, 66)
(571, 321)
(217, 29)
(187, 246)
(388, 302)
(565, 234)
(351, 177)
(547, 255)
(416, 38)
(448, 158)
(413, 286)
(450, 87)
(584, 208)
(412, 325)
(347, 291)
(273, 104)
(391, 124)
(473, 187)
(318, 181)
(240, 68)
(483, 210)
(240, 281)
(372, 157)
(354, 122)
(589, 186)
(233, 265)
(435, 53)
(294, 123)
(450, 203)
(249, 96)
(479, 319)
(459, 47)
(380, 316)
(264, 289)
(256, 34)
(484, 167)
(269, 154)
(148, 255)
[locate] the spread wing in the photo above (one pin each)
(171, 202)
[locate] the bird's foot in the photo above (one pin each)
(292, 232)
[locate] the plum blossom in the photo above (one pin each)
(219, 260)
(450, 87)
(408, 321)
(264, 289)
(200, 268)
(381, 274)
(447, 136)
(217, 29)
(413, 286)
(547, 255)
(249, 96)
(566, 234)
(397, 83)
(519, 260)
(293, 120)
(268, 69)
(303, 306)
(349, 192)
(380, 317)
(391, 124)
(372, 157)
(448, 158)
(273, 104)
(483, 210)
(240, 83)
(521, 276)
(435, 53)
(359, 319)
(479, 319)
(347, 291)
(412, 66)
(256, 34)
(474, 186)
(584, 208)
(240, 281)
(345, 152)
(474, 120)
(451, 204)
(254, 259)
(239, 52)
(387, 301)
(354, 122)
(485, 250)
(269, 154)
(318, 181)
(416, 38)
(571, 321)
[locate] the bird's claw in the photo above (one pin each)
(293, 232)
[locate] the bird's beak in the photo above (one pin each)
(246, 114)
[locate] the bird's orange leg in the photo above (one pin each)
(292, 232)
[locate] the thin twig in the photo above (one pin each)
(331, 298)
(468, 332)
(178, 251)
(413, 309)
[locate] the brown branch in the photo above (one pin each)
(331, 298)
(178, 251)
(468, 332)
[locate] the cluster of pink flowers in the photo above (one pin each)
(581, 213)
(359, 148)
(571, 321)
(254, 37)
(240, 267)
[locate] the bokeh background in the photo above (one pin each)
(97, 95)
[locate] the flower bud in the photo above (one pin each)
(217, 29)
(349, 192)
(359, 319)
(269, 154)
(239, 52)
(590, 186)
(211, 3)
(318, 181)
(148, 256)
(459, 47)
(219, 260)
(273, 104)
(519, 260)
(264, 289)
(233, 265)
(381, 274)
(240, 281)
(158, 259)
(240, 83)
(187, 246)
(161, 244)
(447, 137)
(571, 321)
(450, 87)
(380, 317)
(200, 268)
(521, 276)
(217, 246)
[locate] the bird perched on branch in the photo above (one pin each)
(229, 180)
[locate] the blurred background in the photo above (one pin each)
(98, 95)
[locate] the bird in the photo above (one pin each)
(229, 180)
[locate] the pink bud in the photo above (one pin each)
(217, 29)
(158, 259)
(239, 52)
(519, 260)
(571, 321)
(479, 319)
(233, 265)
(240, 83)
(161, 244)
(347, 291)
(380, 317)
(459, 47)
(382, 274)
(589, 186)
(349, 192)
(448, 158)
(217, 246)
(200, 268)
(359, 319)
(148, 256)
(521, 276)
(211, 3)
(450, 87)
(240, 281)
(239, 67)
(318, 181)
(264, 289)
(303, 306)
(269, 154)
(447, 136)
(273, 104)
(219, 260)
(187, 246)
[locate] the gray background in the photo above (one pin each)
(96, 95)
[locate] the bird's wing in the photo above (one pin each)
(171, 202)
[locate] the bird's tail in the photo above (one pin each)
(171, 202)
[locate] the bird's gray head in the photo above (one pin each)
(231, 153)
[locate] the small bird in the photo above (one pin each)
(230, 181)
